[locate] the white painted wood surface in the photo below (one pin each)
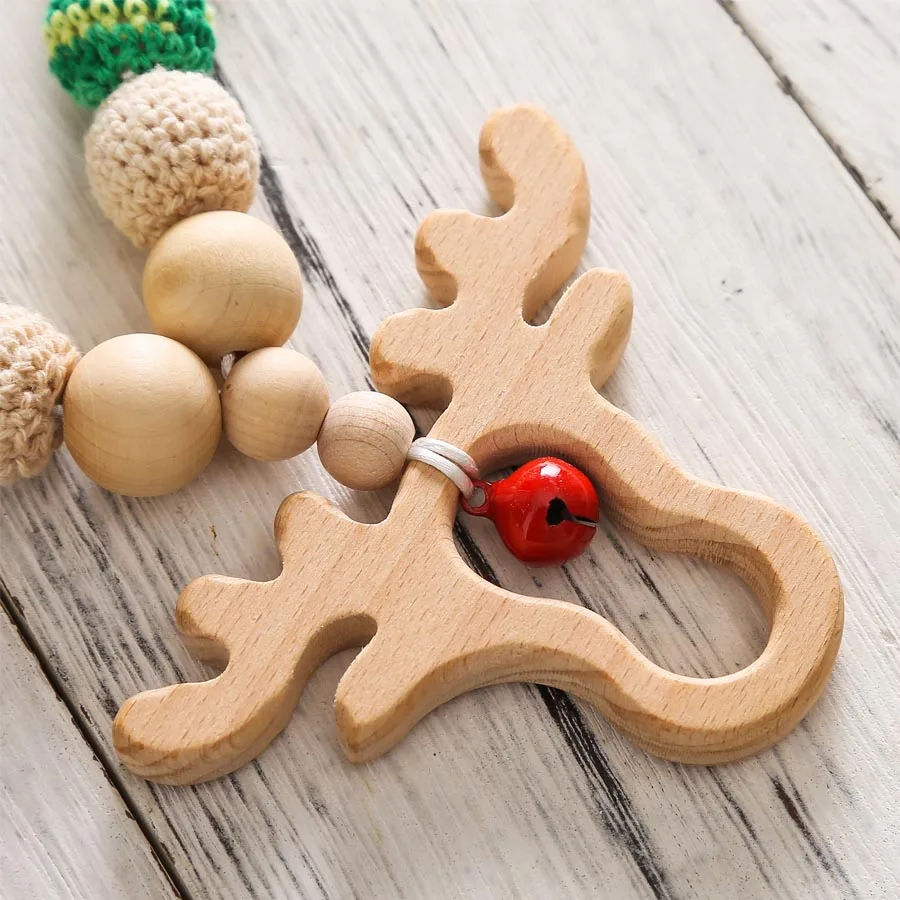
(64, 831)
(841, 60)
(765, 355)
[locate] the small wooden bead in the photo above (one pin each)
(142, 415)
(223, 281)
(364, 440)
(273, 404)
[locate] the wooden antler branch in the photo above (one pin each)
(434, 628)
(517, 260)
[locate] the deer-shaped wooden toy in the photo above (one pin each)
(430, 627)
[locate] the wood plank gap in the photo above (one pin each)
(786, 84)
(110, 768)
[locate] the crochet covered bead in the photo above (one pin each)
(168, 145)
(94, 44)
(35, 363)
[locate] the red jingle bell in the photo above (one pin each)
(546, 511)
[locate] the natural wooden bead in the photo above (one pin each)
(223, 281)
(364, 440)
(273, 404)
(142, 415)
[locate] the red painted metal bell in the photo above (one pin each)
(546, 511)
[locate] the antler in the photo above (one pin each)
(493, 271)
(434, 628)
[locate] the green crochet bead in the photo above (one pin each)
(94, 44)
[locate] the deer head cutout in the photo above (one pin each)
(432, 629)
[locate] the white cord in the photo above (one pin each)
(450, 461)
(451, 452)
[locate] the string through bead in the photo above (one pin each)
(449, 460)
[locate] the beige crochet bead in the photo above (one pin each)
(166, 145)
(142, 415)
(273, 404)
(35, 363)
(364, 440)
(223, 281)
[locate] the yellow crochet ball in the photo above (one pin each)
(165, 146)
(142, 415)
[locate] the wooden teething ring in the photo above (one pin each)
(433, 629)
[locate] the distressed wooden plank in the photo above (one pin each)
(64, 830)
(841, 60)
(763, 355)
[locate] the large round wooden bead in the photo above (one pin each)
(223, 281)
(364, 440)
(142, 415)
(273, 404)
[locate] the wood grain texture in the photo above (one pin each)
(841, 60)
(434, 629)
(64, 831)
(764, 356)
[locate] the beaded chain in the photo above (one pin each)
(173, 163)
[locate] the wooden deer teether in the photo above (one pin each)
(431, 627)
